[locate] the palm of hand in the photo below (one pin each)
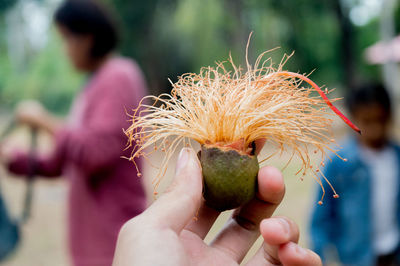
(197, 252)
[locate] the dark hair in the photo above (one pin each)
(89, 17)
(369, 94)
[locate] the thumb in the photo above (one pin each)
(182, 200)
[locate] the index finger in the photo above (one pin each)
(178, 205)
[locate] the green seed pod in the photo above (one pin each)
(230, 178)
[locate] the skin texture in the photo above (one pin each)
(77, 48)
(168, 234)
(375, 123)
(230, 178)
(34, 114)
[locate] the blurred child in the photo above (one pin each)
(363, 224)
(104, 189)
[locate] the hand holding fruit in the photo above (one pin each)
(172, 230)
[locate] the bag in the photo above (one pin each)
(9, 232)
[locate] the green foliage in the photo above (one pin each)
(171, 37)
(48, 78)
(5, 4)
(184, 35)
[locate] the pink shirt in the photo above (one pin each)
(104, 189)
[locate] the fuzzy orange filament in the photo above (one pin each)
(221, 106)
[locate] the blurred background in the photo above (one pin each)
(344, 42)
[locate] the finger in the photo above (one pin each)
(3, 159)
(275, 231)
(176, 207)
(5, 153)
(292, 254)
(242, 230)
(206, 217)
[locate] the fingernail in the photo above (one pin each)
(300, 250)
(285, 225)
(183, 159)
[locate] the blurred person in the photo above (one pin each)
(168, 234)
(363, 224)
(104, 190)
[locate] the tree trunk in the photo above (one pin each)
(390, 70)
(346, 40)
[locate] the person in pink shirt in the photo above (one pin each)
(104, 190)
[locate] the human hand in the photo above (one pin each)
(168, 234)
(33, 114)
(6, 153)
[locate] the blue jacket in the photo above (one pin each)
(345, 223)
